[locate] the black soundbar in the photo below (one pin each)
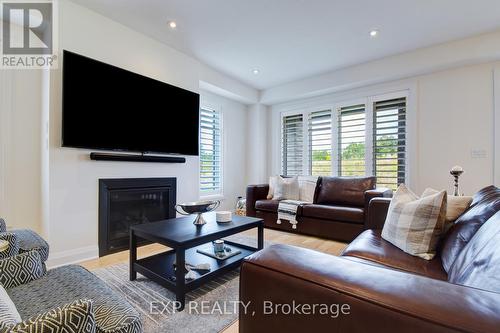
(136, 158)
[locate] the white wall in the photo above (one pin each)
(73, 178)
(468, 51)
(234, 133)
(496, 144)
(257, 143)
(20, 155)
(453, 116)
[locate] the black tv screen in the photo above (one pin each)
(108, 108)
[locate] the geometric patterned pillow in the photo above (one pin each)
(116, 318)
(76, 317)
(13, 241)
(21, 269)
(414, 224)
(3, 225)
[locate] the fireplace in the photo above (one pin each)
(131, 201)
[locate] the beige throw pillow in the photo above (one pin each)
(415, 224)
(307, 186)
(455, 206)
(272, 185)
(286, 189)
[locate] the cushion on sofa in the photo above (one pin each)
(21, 269)
(267, 205)
(485, 203)
(75, 317)
(343, 190)
(8, 312)
(486, 193)
(307, 187)
(286, 188)
(455, 205)
(415, 224)
(478, 264)
(63, 285)
(372, 247)
(336, 213)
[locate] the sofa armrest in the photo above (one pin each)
(29, 240)
(254, 193)
(376, 213)
(368, 298)
(379, 192)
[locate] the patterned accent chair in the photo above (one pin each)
(36, 294)
(21, 241)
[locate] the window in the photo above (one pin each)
(210, 152)
(351, 140)
(292, 145)
(367, 137)
(320, 143)
(389, 142)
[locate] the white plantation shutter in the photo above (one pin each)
(292, 146)
(210, 152)
(351, 140)
(389, 142)
(320, 143)
(365, 137)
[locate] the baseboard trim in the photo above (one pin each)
(72, 256)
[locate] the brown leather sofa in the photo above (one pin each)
(337, 212)
(386, 289)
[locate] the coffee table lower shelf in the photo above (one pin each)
(160, 267)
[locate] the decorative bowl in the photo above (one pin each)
(198, 208)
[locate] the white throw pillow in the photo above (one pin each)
(9, 316)
(272, 186)
(415, 224)
(307, 186)
(287, 189)
(455, 206)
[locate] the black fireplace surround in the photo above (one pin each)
(131, 201)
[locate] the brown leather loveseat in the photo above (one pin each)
(337, 212)
(385, 289)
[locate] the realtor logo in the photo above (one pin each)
(28, 34)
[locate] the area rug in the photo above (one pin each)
(214, 305)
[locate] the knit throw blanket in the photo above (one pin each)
(287, 210)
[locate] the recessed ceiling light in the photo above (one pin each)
(374, 33)
(255, 71)
(172, 24)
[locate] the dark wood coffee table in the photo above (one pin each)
(185, 238)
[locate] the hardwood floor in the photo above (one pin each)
(273, 236)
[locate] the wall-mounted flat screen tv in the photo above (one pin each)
(108, 108)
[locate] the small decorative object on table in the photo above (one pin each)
(219, 250)
(456, 171)
(218, 245)
(223, 217)
(198, 208)
(241, 206)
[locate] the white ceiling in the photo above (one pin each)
(292, 39)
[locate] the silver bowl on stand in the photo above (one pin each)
(198, 208)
